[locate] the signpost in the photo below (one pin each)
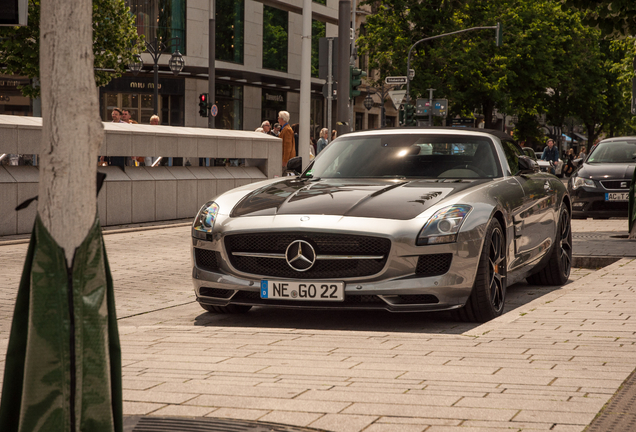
(396, 80)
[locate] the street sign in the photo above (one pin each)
(440, 107)
(411, 74)
(422, 107)
(396, 80)
(397, 96)
(214, 110)
(463, 122)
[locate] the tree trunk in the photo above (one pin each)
(71, 128)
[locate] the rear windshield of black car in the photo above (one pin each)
(614, 152)
(412, 155)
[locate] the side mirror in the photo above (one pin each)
(295, 164)
(527, 166)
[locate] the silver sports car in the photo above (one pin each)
(398, 219)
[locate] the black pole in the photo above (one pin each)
(383, 113)
(344, 35)
(211, 63)
(156, 96)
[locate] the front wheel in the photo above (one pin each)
(557, 271)
(488, 296)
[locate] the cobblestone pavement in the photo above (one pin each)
(550, 363)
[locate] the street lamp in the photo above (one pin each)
(155, 49)
(368, 101)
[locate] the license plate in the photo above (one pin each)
(617, 196)
(292, 290)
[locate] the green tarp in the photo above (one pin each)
(63, 363)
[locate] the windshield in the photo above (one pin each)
(412, 155)
(614, 152)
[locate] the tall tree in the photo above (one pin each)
(115, 42)
(612, 17)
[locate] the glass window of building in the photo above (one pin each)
(229, 100)
(161, 19)
(275, 31)
(230, 30)
(322, 2)
(272, 102)
(318, 30)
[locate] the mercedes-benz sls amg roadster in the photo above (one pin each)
(397, 219)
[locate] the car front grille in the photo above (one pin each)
(206, 260)
(616, 184)
(324, 244)
(433, 265)
(609, 205)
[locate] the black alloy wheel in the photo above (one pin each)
(557, 270)
(488, 297)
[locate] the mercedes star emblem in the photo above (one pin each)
(300, 255)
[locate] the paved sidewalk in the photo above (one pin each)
(550, 364)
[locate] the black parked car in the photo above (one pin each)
(600, 186)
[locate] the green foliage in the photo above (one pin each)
(115, 42)
(550, 62)
(613, 18)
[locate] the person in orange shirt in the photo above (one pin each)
(287, 135)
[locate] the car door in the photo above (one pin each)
(534, 218)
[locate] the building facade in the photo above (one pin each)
(257, 62)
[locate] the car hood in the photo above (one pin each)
(376, 198)
(607, 171)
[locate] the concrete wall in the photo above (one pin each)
(141, 194)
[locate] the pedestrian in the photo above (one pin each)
(287, 135)
(154, 120)
(312, 142)
(582, 154)
(259, 129)
(550, 154)
(267, 128)
(334, 134)
(322, 141)
(276, 131)
(569, 162)
(125, 116)
(295, 127)
(116, 116)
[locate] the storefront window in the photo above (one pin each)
(160, 19)
(136, 94)
(229, 100)
(275, 25)
(318, 30)
(229, 30)
(272, 102)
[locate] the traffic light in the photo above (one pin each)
(355, 79)
(401, 121)
(203, 104)
(409, 115)
(499, 35)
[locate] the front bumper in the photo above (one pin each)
(590, 203)
(395, 288)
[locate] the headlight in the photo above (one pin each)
(580, 181)
(204, 222)
(444, 225)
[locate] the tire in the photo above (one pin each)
(488, 296)
(557, 271)
(229, 309)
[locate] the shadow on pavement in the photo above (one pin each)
(365, 320)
